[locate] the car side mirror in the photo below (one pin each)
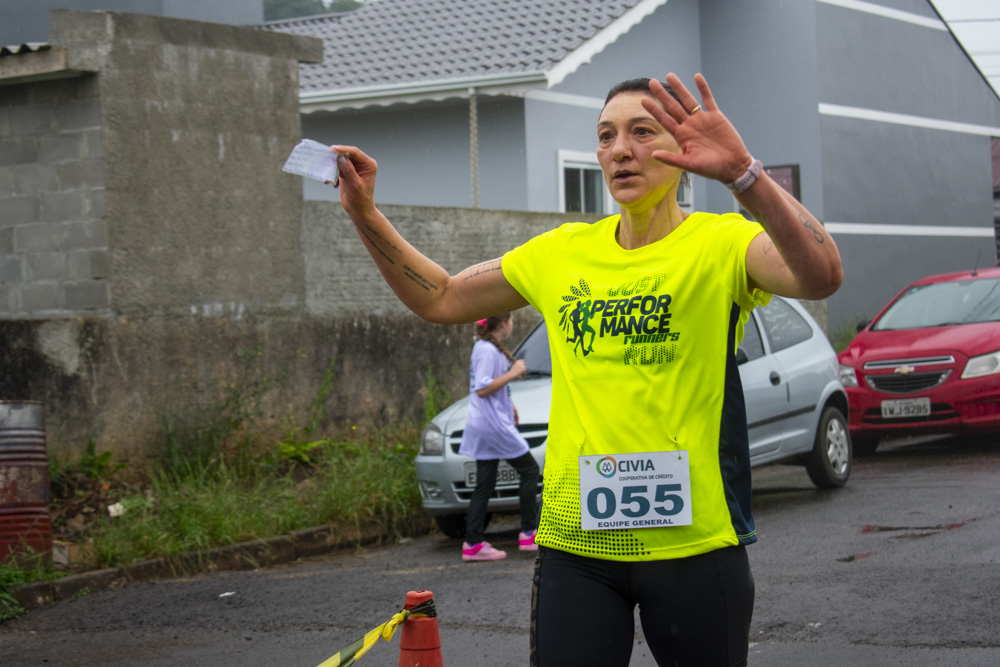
(741, 356)
(862, 324)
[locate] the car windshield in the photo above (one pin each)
(943, 304)
(534, 349)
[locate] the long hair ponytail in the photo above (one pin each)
(486, 327)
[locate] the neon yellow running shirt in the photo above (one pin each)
(643, 359)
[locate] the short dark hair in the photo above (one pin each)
(637, 86)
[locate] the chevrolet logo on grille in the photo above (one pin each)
(904, 370)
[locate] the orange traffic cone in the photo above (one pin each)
(420, 643)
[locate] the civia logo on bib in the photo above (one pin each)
(607, 467)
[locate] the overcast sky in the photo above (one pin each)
(976, 24)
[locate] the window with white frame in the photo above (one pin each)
(581, 184)
(582, 188)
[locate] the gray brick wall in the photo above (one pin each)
(53, 237)
(342, 280)
(117, 310)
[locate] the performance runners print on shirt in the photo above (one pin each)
(634, 314)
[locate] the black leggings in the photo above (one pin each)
(694, 611)
(486, 479)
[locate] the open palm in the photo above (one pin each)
(709, 144)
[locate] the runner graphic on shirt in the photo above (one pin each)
(580, 318)
(577, 313)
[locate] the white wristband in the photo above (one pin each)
(748, 178)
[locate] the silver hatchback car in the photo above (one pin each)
(796, 413)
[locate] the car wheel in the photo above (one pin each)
(863, 446)
(452, 525)
(829, 462)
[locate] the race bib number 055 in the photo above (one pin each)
(635, 490)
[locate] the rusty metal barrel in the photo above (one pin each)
(25, 523)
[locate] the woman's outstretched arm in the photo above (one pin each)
(419, 282)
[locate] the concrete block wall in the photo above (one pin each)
(196, 120)
(341, 279)
(53, 234)
(148, 237)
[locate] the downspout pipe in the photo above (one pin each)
(474, 145)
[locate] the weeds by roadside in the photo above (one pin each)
(436, 396)
(219, 483)
(344, 483)
(24, 569)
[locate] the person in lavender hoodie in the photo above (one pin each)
(491, 435)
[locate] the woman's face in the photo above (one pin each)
(627, 135)
(505, 328)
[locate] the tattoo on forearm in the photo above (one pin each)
(418, 279)
(803, 218)
(374, 246)
(371, 234)
(408, 271)
(818, 235)
(482, 269)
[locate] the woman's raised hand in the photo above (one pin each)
(356, 179)
(710, 145)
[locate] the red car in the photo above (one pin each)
(928, 363)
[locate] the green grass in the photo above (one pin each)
(346, 483)
(25, 569)
(217, 483)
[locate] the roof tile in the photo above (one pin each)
(390, 41)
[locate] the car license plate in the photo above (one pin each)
(506, 476)
(906, 407)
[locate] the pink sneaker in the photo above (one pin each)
(481, 551)
(526, 541)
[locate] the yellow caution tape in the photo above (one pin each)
(350, 655)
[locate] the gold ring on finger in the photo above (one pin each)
(696, 109)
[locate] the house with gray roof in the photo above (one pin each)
(462, 99)
(869, 111)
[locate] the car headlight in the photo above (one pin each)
(987, 364)
(847, 376)
(432, 441)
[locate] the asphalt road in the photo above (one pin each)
(900, 567)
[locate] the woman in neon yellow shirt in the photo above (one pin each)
(647, 483)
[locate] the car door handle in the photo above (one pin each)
(775, 378)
